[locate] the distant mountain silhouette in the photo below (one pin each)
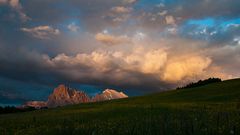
(63, 95)
(35, 104)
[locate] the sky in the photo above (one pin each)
(134, 46)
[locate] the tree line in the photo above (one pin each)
(201, 83)
(12, 109)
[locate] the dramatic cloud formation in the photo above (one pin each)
(186, 67)
(119, 66)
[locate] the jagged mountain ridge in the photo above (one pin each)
(63, 95)
(108, 94)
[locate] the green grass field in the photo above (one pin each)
(208, 110)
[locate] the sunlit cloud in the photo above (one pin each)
(116, 66)
(42, 32)
(170, 20)
(121, 10)
(111, 39)
(186, 67)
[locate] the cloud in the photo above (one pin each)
(170, 20)
(118, 15)
(139, 57)
(163, 13)
(155, 16)
(88, 12)
(123, 69)
(147, 62)
(182, 68)
(15, 4)
(151, 68)
(218, 35)
(227, 58)
(3, 1)
(73, 27)
(129, 1)
(178, 12)
(112, 68)
(121, 10)
(42, 32)
(7, 96)
(111, 39)
(221, 8)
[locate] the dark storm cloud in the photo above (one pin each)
(11, 101)
(92, 14)
(6, 97)
(228, 57)
(19, 91)
(21, 65)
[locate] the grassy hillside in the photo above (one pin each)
(226, 91)
(208, 110)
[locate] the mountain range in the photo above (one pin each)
(63, 95)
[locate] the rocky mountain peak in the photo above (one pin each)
(109, 94)
(61, 90)
(114, 93)
(63, 95)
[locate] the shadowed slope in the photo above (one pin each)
(226, 91)
(210, 109)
